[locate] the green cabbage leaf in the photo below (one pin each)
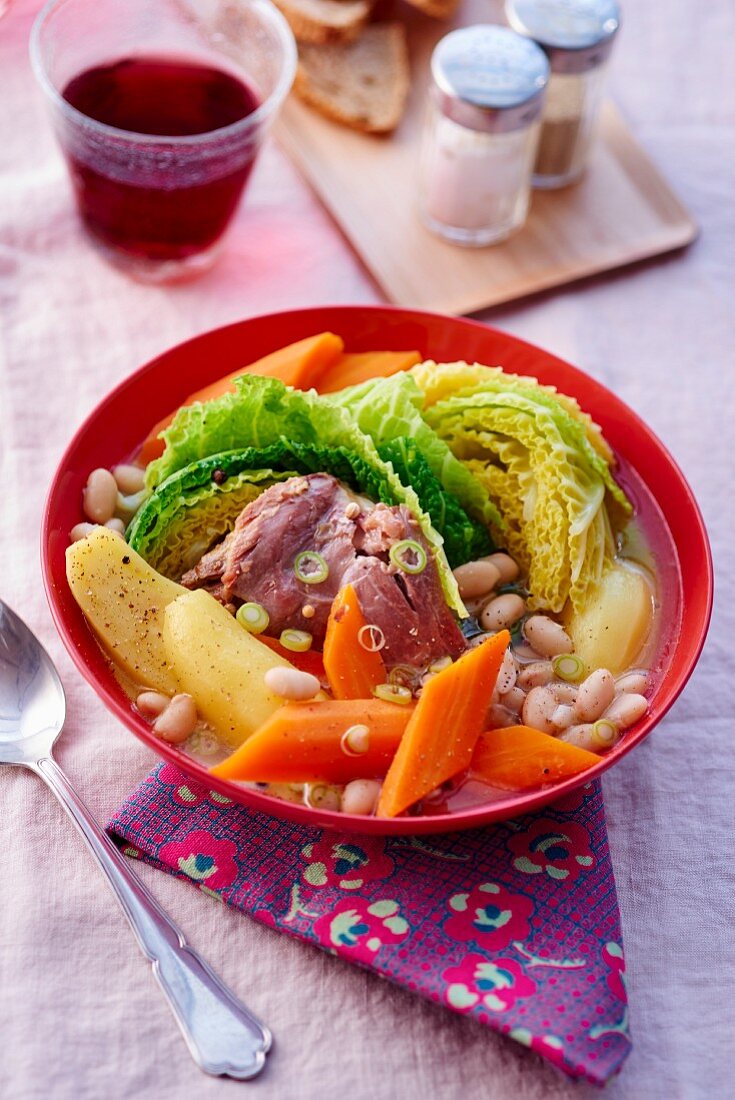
(543, 463)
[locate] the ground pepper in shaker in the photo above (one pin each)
(577, 36)
(480, 135)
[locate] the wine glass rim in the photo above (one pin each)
(265, 9)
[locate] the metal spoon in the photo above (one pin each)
(223, 1037)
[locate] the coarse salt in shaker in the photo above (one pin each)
(577, 36)
(480, 134)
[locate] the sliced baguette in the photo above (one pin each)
(362, 84)
(323, 21)
(437, 9)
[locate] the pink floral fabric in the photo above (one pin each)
(516, 926)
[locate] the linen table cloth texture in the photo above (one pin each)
(517, 925)
(80, 1018)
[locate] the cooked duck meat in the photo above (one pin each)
(314, 514)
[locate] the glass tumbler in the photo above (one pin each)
(160, 108)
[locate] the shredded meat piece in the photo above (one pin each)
(255, 562)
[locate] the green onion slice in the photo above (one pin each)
(355, 741)
(605, 733)
(409, 556)
(298, 641)
(441, 664)
(310, 567)
(569, 667)
(254, 617)
(393, 693)
(371, 638)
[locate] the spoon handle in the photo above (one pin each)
(223, 1037)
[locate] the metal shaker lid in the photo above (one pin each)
(489, 78)
(577, 35)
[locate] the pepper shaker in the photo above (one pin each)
(577, 36)
(480, 134)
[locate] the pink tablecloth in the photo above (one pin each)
(79, 1015)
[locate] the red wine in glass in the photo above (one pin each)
(139, 193)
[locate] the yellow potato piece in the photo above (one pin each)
(613, 628)
(123, 600)
(222, 666)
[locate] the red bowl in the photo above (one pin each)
(117, 426)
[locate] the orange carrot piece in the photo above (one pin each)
(442, 734)
(310, 661)
(519, 757)
(301, 743)
(352, 670)
(300, 365)
(351, 368)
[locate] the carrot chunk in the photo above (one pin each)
(443, 731)
(300, 365)
(519, 757)
(352, 670)
(352, 368)
(309, 661)
(303, 743)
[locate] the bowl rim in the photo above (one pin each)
(474, 816)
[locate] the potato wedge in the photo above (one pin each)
(612, 630)
(123, 600)
(222, 666)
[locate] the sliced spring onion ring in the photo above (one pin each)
(298, 641)
(441, 664)
(569, 667)
(393, 693)
(310, 567)
(605, 733)
(254, 617)
(409, 556)
(371, 638)
(321, 796)
(355, 740)
(405, 675)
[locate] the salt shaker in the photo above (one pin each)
(577, 36)
(480, 135)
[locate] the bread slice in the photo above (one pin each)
(438, 9)
(322, 21)
(362, 84)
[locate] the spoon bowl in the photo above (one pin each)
(32, 702)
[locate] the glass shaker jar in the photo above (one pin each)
(577, 36)
(480, 134)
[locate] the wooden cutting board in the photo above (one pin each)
(620, 212)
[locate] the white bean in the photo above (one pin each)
(507, 675)
(626, 709)
(178, 720)
(100, 496)
(130, 479)
(587, 737)
(505, 565)
(502, 612)
(634, 682)
(127, 506)
(290, 683)
(535, 675)
(548, 638)
(360, 797)
(513, 700)
(116, 525)
(595, 695)
(539, 708)
(476, 578)
(152, 703)
(563, 717)
(499, 717)
(80, 531)
(565, 693)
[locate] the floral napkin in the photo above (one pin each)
(516, 925)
